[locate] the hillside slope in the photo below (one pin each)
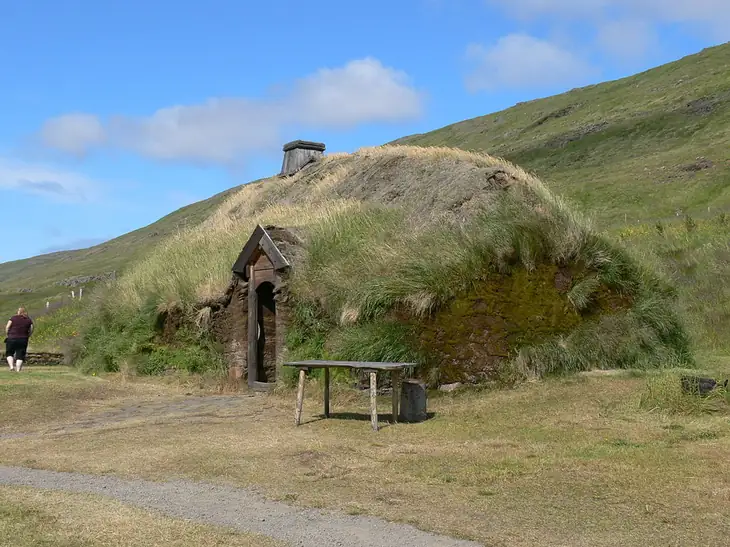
(639, 148)
(41, 273)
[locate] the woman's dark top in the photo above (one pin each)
(19, 327)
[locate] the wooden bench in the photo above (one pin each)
(395, 369)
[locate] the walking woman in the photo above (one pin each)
(18, 331)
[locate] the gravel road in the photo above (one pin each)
(236, 508)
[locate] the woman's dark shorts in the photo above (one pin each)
(16, 347)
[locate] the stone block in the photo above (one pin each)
(412, 401)
(44, 359)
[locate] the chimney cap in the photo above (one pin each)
(304, 145)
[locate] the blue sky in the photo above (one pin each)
(115, 113)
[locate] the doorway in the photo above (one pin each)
(266, 333)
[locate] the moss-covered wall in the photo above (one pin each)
(469, 339)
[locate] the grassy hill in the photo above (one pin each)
(636, 149)
(41, 273)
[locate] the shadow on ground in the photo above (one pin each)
(384, 420)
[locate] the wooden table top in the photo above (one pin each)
(366, 365)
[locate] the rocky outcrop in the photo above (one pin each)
(77, 280)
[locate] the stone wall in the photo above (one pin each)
(44, 359)
(229, 325)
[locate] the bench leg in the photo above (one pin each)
(374, 400)
(300, 398)
(326, 393)
(395, 381)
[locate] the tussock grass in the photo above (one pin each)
(194, 264)
(664, 394)
(582, 294)
(361, 265)
(621, 341)
(698, 262)
(393, 229)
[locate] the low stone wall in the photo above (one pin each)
(44, 359)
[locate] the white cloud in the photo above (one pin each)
(47, 182)
(528, 9)
(522, 61)
(361, 91)
(627, 39)
(226, 130)
(217, 131)
(712, 15)
(73, 133)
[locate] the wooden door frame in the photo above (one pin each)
(253, 339)
(253, 308)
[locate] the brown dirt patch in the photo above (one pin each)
(699, 165)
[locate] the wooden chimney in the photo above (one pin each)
(297, 154)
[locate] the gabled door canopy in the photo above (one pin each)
(259, 242)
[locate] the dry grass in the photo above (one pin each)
(30, 518)
(196, 265)
(43, 398)
(571, 462)
(175, 273)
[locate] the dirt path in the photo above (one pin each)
(236, 508)
(191, 409)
